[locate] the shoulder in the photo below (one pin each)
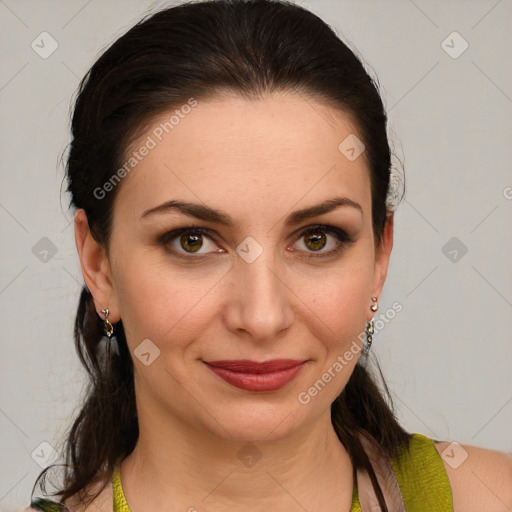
(480, 478)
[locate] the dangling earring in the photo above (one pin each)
(369, 329)
(109, 330)
(369, 338)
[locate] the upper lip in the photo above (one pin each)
(247, 366)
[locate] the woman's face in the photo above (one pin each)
(254, 288)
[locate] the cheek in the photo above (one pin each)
(337, 315)
(339, 299)
(159, 304)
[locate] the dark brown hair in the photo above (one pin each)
(197, 50)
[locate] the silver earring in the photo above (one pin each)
(375, 304)
(369, 338)
(109, 330)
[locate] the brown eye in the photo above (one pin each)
(191, 242)
(315, 240)
(185, 243)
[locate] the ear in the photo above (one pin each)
(382, 256)
(95, 268)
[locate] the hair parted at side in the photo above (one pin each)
(200, 49)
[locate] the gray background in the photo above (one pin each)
(446, 356)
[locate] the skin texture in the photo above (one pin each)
(257, 161)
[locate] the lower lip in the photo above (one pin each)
(257, 381)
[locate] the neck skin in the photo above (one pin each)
(176, 468)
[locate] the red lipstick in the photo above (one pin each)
(254, 376)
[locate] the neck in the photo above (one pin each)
(174, 467)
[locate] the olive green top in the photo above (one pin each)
(421, 476)
(420, 473)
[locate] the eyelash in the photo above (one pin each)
(343, 239)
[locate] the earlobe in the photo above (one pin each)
(95, 267)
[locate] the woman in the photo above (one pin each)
(230, 171)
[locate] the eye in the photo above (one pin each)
(314, 239)
(187, 241)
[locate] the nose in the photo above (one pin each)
(259, 302)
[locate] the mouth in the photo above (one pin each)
(255, 376)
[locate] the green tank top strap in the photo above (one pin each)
(120, 504)
(422, 477)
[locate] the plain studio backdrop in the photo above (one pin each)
(445, 74)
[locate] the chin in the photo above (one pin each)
(256, 421)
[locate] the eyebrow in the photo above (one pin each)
(206, 213)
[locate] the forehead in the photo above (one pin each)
(230, 151)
